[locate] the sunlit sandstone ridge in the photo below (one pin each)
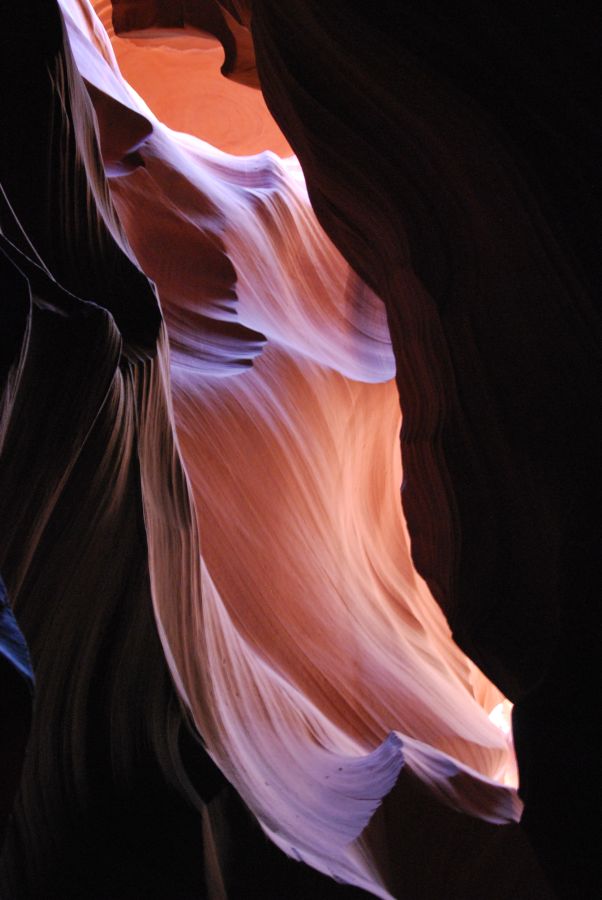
(309, 588)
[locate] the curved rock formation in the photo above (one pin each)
(309, 654)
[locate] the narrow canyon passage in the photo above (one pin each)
(250, 627)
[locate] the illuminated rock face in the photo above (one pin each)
(310, 655)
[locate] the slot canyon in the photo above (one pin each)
(300, 437)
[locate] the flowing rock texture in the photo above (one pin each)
(231, 625)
